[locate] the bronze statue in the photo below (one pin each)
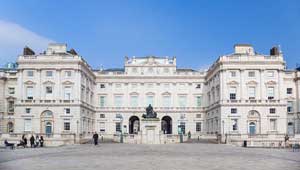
(150, 112)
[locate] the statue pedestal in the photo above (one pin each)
(150, 128)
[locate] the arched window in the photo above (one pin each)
(10, 127)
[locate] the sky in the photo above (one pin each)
(197, 32)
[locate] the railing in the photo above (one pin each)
(155, 108)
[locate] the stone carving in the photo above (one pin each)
(150, 112)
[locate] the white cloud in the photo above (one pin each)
(13, 38)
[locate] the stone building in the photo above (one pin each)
(242, 96)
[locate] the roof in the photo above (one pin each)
(114, 69)
(186, 70)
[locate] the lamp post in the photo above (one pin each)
(121, 128)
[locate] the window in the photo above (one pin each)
(134, 70)
(28, 110)
(166, 86)
(198, 101)
(49, 73)
(198, 86)
(48, 90)
(27, 125)
(232, 93)
(150, 85)
(67, 125)
(251, 92)
(134, 101)
(166, 101)
(29, 73)
(251, 74)
(29, 92)
(198, 115)
(102, 115)
(270, 93)
(273, 124)
(270, 73)
(68, 74)
(233, 110)
(232, 73)
(11, 90)
(234, 124)
(67, 111)
(118, 101)
(134, 85)
(118, 85)
(102, 126)
(182, 127)
(102, 86)
(67, 92)
(102, 101)
(198, 126)
(150, 100)
(118, 127)
(289, 91)
(182, 101)
(289, 106)
(272, 110)
(11, 106)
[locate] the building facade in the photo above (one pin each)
(241, 95)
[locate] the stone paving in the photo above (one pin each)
(149, 157)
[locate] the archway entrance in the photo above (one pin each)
(253, 122)
(134, 125)
(290, 128)
(252, 128)
(166, 125)
(47, 121)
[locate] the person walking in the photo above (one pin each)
(95, 137)
(31, 141)
(37, 141)
(41, 141)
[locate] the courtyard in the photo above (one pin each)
(148, 157)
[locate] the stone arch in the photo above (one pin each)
(166, 125)
(47, 122)
(254, 121)
(134, 125)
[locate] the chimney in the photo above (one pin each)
(28, 51)
(274, 51)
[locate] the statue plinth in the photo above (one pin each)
(150, 127)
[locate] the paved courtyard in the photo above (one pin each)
(146, 157)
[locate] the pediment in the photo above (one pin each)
(166, 93)
(150, 93)
(133, 94)
(48, 82)
(271, 82)
(10, 98)
(233, 83)
(67, 83)
(252, 83)
(29, 82)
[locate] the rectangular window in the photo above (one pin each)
(67, 126)
(102, 126)
(29, 92)
(182, 127)
(27, 125)
(270, 73)
(67, 111)
(289, 106)
(28, 110)
(134, 85)
(182, 101)
(102, 86)
(118, 85)
(118, 127)
(198, 115)
(272, 110)
(198, 86)
(118, 101)
(232, 93)
(270, 93)
(273, 124)
(67, 93)
(233, 110)
(232, 73)
(251, 74)
(102, 101)
(49, 73)
(29, 73)
(134, 101)
(251, 93)
(11, 106)
(289, 91)
(234, 124)
(166, 101)
(68, 74)
(102, 115)
(150, 100)
(198, 126)
(11, 90)
(198, 101)
(48, 90)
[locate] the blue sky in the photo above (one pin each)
(196, 32)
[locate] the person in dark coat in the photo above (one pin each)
(32, 141)
(41, 141)
(95, 137)
(25, 142)
(11, 145)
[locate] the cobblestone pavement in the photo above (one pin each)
(149, 157)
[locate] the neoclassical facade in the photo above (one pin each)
(241, 95)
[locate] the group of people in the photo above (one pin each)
(37, 141)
